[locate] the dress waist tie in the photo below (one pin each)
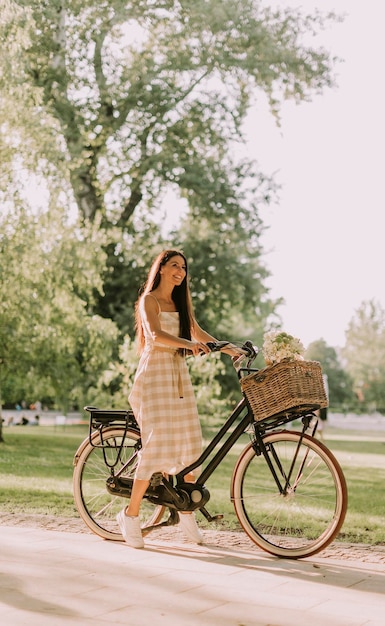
(176, 362)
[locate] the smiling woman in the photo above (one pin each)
(162, 395)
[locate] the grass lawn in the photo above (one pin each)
(36, 477)
(36, 469)
(362, 458)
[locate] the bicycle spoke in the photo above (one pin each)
(308, 515)
(96, 505)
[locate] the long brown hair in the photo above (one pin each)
(180, 294)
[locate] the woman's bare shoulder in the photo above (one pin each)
(150, 302)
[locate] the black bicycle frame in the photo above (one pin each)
(224, 449)
(245, 422)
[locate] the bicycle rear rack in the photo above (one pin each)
(101, 420)
(109, 416)
(104, 418)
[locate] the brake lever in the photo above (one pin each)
(217, 346)
(252, 350)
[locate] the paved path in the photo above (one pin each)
(53, 578)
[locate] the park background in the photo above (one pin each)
(266, 173)
(292, 242)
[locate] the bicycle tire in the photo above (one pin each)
(310, 515)
(96, 506)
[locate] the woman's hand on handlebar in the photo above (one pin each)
(198, 347)
(234, 351)
(227, 347)
(238, 353)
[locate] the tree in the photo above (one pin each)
(127, 265)
(112, 104)
(339, 382)
(364, 354)
(227, 276)
(145, 94)
(116, 102)
(49, 342)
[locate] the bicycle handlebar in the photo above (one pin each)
(246, 349)
(217, 346)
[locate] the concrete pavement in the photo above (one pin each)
(51, 578)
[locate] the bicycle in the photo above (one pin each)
(288, 489)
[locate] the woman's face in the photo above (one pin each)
(174, 270)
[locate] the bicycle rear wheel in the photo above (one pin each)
(305, 516)
(96, 506)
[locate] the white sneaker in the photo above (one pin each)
(130, 529)
(190, 528)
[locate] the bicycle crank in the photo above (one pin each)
(119, 486)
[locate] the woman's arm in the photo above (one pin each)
(151, 315)
(198, 333)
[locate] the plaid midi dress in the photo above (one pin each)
(163, 402)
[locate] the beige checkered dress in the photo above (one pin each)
(164, 405)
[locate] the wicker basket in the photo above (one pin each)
(288, 386)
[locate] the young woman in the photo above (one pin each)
(162, 396)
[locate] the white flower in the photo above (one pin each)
(278, 345)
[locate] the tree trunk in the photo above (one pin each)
(1, 418)
(84, 189)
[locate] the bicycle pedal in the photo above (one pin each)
(156, 479)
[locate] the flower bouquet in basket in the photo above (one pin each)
(279, 346)
(288, 383)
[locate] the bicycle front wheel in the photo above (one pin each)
(296, 507)
(97, 507)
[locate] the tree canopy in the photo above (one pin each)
(108, 106)
(50, 346)
(364, 354)
(129, 97)
(340, 384)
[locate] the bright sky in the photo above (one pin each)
(326, 237)
(325, 245)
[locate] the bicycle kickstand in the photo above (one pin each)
(210, 518)
(172, 519)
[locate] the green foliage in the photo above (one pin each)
(226, 276)
(112, 387)
(105, 107)
(49, 342)
(139, 96)
(340, 384)
(127, 265)
(145, 94)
